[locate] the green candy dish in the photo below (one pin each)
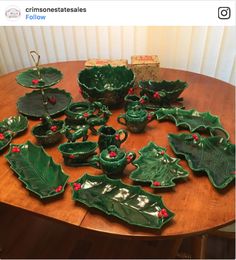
(110, 136)
(132, 100)
(163, 92)
(49, 131)
(128, 203)
(112, 160)
(136, 119)
(193, 120)
(157, 167)
(5, 139)
(37, 170)
(106, 84)
(15, 124)
(213, 155)
(77, 154)
(92, 114)
(31, 104)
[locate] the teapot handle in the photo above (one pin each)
(95, 162)
(120, 132)
(130, 157)
(120, 119)
(151, 116)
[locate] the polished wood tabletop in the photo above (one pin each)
(197, 205)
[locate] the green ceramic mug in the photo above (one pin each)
(112, 160)
(109, 136)
(136, 119)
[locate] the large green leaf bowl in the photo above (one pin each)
(106, 84)
(48, 77)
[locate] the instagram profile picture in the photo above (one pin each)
(13, 13)
(224, 12)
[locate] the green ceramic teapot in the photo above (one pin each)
(112, 160)
(136, 119)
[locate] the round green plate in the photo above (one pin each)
(49, 77)
(31, 104)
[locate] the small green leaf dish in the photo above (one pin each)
(49, 77)
(213, 155)
(15, 124)
(129, 203)
(31, 104)
(193, 120)
(106, 84)
(163, 92)
(76, 154)
(36, 169)
(157, 167)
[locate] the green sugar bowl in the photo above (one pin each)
(112, 160)
(136, 119)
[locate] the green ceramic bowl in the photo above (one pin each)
(45, 136)
(163, 92)
(106, 84)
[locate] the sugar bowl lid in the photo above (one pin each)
(112, 153)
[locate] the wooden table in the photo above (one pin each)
(198, 206)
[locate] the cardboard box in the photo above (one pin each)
(103, 62)
(145, 67)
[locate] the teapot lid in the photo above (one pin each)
(137, 111)
(112, 153)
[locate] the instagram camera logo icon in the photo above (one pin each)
(224, 13)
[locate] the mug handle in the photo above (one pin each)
(95, 162)
(130, 157)
(121, 117)
(120, 132)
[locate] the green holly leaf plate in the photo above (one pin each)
(15, 124)
(213, 155)
(30, 78)
(31, 104)
(193, 120)
(129, 203)
(36, 169)
(157, 167)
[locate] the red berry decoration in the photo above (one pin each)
(52, 100)
(156, 95)
(117, 137)
(142, 101)
(86, 114)
(59, 188)
(162, 213)
(195, 137)
(77, 186)
(129, 158)
(156, 183)
(149, 117)
(131, 91)
(162, 152)
(53, 128)
(35, 81)
(112, 154)
(2, 137)
(15, 149)
(71, 156)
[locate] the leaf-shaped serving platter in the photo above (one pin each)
(214, 155)
(129, 203)
(15, 124)
(157, 167)
(193, 120)
(37, 170)
(49, 77)
(31, 104)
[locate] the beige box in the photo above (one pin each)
(145, 67)
(103, 62)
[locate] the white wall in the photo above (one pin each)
(207, 50)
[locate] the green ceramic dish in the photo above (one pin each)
(106, 84)
(49, 77)
(163, 92)
(157, 167)
(36, 169)
(46, 134)
(128, 203)
(193, 120)
(213, 155)
(31, 104)
(15, 124)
